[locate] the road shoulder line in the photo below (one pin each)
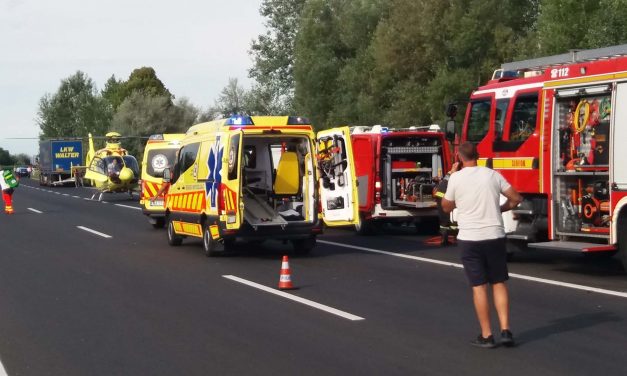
(574, 286)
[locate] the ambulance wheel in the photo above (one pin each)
(173, 239)
(304, 246)
(363, 226)
(211, 246)
(159, 223)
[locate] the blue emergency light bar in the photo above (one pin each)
(239, 120)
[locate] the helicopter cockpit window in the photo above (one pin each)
(131, 162)
(114, 165)
(97, 165)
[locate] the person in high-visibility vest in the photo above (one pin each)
(447, 226)
(8, 182)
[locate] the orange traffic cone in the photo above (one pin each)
(285, 279)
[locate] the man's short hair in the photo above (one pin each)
(468, 151)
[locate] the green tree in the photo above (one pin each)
(563, 25)
(355, 102)
(318, 60)
(145, 81)
(6, 159)
(233, 99)
(141, 115)
(430, 52)
(608, 27)
(187, 113)
(22, 159)
(74, 110)
(273, 55)
(112, 92)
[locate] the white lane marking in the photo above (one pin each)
(619, 294)
(65, 194)
(76, 196)
(3, 372)
(87, 199)
(295, 298)
(105, 202)
(128, 206)
(94, 232)
(35, 210)
(57, 193)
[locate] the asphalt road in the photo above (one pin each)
(73, 302)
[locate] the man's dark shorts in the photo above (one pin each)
(484, 261)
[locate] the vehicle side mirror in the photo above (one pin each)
(451, 110)
(450, 130)
(167, 175)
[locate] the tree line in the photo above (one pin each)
(360, 62)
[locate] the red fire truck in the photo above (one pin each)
(556, 128)
(397, 170)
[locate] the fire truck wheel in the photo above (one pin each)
(304, 246)
(364, 226)
(211, 246)
(622, 239)
(159, 223)
(173, 239)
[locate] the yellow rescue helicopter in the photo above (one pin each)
(111, 169)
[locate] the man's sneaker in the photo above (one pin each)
(486, 343)
(507, 338)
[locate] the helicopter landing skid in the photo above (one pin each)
(99, 194)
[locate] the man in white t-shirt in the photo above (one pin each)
(475, 192)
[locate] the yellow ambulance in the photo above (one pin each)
(159, 154)
(258, 178)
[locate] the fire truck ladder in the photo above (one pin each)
(574, 56)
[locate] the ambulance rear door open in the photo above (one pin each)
(231, 190)
(336, 178)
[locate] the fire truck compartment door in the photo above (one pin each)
(337, 179)
(619, 135)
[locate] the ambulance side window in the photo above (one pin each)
(479, 121)
(176, 170)
(187, 157)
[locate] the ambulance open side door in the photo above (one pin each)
(336, 178)
(231, 190)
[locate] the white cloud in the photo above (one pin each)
(193, 45)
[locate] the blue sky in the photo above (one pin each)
(194, 46)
